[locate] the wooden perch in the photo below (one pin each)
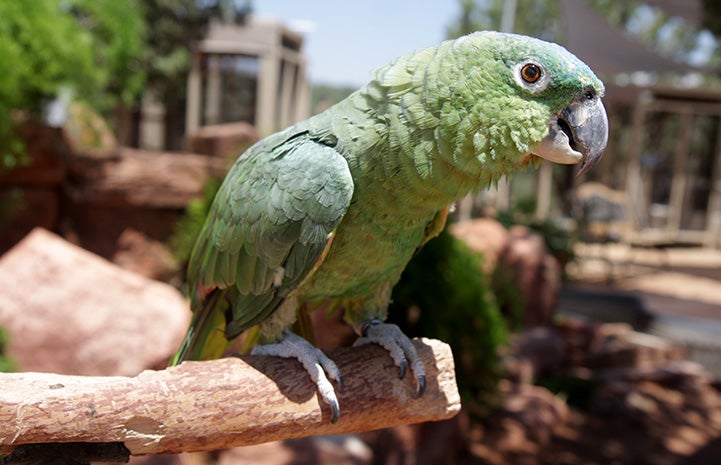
(223, 403)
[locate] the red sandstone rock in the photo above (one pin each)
(145, 191)
(520, 258)
(536, 273)
(69, 311)
(44, 158)
(330, 450)
(144, 256)
(145, 179)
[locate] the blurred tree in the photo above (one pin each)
(712, 16)
(176, 25)
(105, 52)
(66, 47)
(537, 18)
(669, 35)
(323, 96)
(118, 30)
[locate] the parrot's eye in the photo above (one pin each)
(531, 73)
(531, 77)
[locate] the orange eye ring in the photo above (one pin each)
(531, 73)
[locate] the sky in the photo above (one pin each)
(346, 40)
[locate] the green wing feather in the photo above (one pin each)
(267, 230)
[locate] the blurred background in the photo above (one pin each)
(584, 312)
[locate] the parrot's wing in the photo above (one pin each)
(270, 224)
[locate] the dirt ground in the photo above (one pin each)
(671, 281)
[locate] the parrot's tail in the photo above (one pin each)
(205, 339)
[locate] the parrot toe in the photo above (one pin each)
(399, 347)
(316, 363)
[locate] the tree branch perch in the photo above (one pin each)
(223, 403)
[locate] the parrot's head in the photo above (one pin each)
(531, 98)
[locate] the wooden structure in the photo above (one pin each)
(665, 154)
(664, 149)
(253, 72)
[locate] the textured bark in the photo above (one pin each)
(222, 403)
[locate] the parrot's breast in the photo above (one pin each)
(368, 252)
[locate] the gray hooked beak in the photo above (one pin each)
(577, 134)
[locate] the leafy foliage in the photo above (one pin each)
(118, 31)
(86, 46)
(533, 17)
(186, 233)
(7, 364)
(444, 294)
(176, 25)
(324, 96)
(667, 34)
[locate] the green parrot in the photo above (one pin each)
(330, 210)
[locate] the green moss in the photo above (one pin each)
(509, 296)
(443, 294)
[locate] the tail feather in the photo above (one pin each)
(205, 339)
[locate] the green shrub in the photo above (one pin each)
(7, 364)
(90, 49)
(509, 298)
(444, 294)
(186, 232)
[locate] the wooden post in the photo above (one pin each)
(678, 198)
(266, 108)
(713, 213)
(193, 96)
(200, 406)
(636, 201)
(212, 105)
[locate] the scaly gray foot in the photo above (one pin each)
(400, 348)
(316, 363)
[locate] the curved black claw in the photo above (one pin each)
(403, 365)
(421, 379)
(338, 381)
(399, 347)
(334, 410)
